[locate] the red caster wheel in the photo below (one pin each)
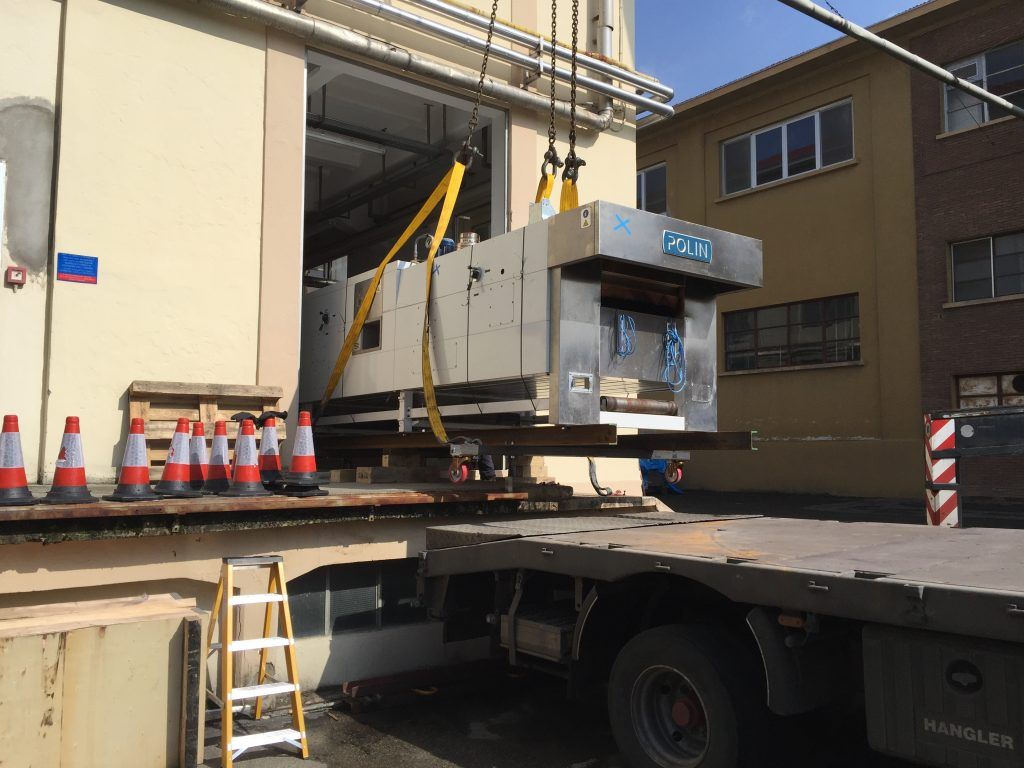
(459, 473)
(673, 473)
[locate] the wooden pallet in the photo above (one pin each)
(162, 403)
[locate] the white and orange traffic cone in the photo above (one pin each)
(302, 479)
(246, 478)
(198, 464)
(133, 482)
(14, 490)
(218, 471)
(69, 485)
(270, 454)
(174, 482)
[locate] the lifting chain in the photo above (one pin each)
(570, 195)
(551, 156)
(468, 150)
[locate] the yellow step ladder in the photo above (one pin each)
(232, 746)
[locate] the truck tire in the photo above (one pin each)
(686, 697)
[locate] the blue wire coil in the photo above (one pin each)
(625, 338)
(674, 374)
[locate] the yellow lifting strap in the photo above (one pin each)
(451, 195)
(545, 187)
(570, 197)
(448, 190)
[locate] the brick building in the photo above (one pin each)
(969, 181)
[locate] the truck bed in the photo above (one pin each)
(967, 581)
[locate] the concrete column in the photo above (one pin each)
(281, 255)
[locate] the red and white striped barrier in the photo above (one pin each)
(942, 504)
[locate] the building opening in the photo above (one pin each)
(376, 147)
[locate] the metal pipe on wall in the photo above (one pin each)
(853, 30)
(660, 91)
(437, 29)
(332, 37)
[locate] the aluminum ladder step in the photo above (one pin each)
(267, 689)
(239, 744)
(267, 597)
(256, 643)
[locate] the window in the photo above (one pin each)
(991, 389)
(988, 267)
(356, 596)
(802, 333)
(652, 189)
(803, 144)
(1000, 71)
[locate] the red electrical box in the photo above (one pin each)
(14, 276)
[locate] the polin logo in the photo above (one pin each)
(685, 246)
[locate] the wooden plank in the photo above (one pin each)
(31, 699)
(138, 666)
(150, 388)
(469, 493)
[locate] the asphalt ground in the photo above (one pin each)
(515, 721)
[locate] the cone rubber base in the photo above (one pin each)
(20, 500)
(133, 493)
(258, 490)
(302, 491)
(178, 493)
(88, 498)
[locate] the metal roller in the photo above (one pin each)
(639, 405)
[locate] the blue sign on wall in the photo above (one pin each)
(77, 269)
(677, 244)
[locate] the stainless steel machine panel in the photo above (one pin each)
(620, 234)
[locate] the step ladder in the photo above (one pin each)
(232, 746)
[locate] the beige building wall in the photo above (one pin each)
(159, 176)
(180, 168)
(189, 565)
(840, 428)
(29, 35)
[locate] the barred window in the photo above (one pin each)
(799, 333)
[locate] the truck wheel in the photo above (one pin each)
(679, 697)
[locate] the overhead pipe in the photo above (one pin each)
(660, 91)
(437, 29)
(333, 37)
(853, 30)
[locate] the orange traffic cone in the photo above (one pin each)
(302, 479)
(13, 483)
(246, 479)
(198, 464)
(174, 482)
(133, 482)
(69, 477)
(218, 471)
(270, 454)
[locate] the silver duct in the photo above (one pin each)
(332, 37)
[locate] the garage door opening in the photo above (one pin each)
(376, 146)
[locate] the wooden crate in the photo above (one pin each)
(162, 403)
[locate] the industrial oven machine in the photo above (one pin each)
(598, 321)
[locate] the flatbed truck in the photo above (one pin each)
(704, 629)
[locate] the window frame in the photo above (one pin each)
(641, 175)
(981, 64)
(378, 568)
(1000, 394)
(993, 296)
(751, 137)
(790, 344)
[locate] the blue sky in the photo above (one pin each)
(698, 45)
